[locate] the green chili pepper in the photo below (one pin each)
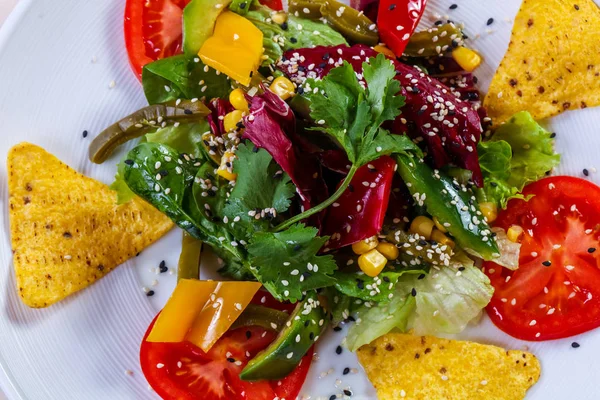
(310, 9)
(427, 43)
(260, 316)
(351, 23)
(188, 266)
(141, 122)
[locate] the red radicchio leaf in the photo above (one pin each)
(361, 209)
(449, 126)
(270, 124)
(218, 108)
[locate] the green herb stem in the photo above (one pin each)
(321, 206)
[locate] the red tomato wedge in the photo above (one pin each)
(152, 30)
(182, 371)
(555, 293)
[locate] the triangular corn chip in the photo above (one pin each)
(402, 366)
(66, 229)
(552, 63)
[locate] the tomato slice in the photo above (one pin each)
(152, 30)
(555, 293)
(273, 4)
(182, 371)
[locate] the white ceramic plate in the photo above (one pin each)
(57, 61)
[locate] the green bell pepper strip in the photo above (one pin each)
(453, 204)
(255, 315)
(425, 43)
(354, 25)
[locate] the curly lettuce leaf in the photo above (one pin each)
(521, 151)
(185, 138)
(444, 301)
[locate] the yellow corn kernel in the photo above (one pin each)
(441, 238)
(365, 245)
(279, 18)
(384, 50)
(237, 100)
(422, 225)
(466, 58)
(231, 119)
(283, 87)
(226, 171)
(439, 225)
(514, 233)
(388, 250)
(372, 262)
(489, 210)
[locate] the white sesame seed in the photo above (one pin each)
(290, 355)
(160, 365)
(533, 322)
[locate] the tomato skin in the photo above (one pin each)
(182, 371)
(152, 30)
(555, 293)
(276, 5)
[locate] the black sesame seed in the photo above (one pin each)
(351, 188)
(338, 350)
(284, 26)
(293, 40)
(438, 23)
(326, 56)
(163, 268)
(575, 345)
(454, 6)
(297, 247)
(347, 392)
(422, 242)
(150, 293)
(392, 7)
(461, 268)
(591, 250)
(300, 90)
(163, 172)
(552, 135)
(311, 336)
(85, 133)
(337, 328)
(386, 279)
(546, 263)
(231, 359)
(333, 397)
(421, 276)
(346, 371)
(576, 7)
(413, 292)
(306, 323)
(351, 318)
(360, 284)
(586, 172)
(490, 21)
(243, 5)
(248, 334)
(128, 162)
(187, 111)
(255, 149)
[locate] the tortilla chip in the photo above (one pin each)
(402, 366)
(66, 229)
(552, 63)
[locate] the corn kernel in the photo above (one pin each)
(283, 87)
(439, 225)
(388, 250)
(226, 171)
(231, 119)
(466, 58)
(441, 238)
(514, 233)
(489, 210)
(237, 100)
(372, 262)
(422, 225)
(384, 50)
(279, 18)
(365, 245)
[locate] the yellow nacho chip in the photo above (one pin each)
(552, 63)
(66, 229)
(403, 366)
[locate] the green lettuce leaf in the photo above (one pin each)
(444, 301)
(124, 194)
(519, 152)
(185, 138)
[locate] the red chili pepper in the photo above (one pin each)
(359, 212)
(397, 20)
(276, 5)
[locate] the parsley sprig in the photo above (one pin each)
(352, 113)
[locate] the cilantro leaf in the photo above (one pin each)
(287, 263)
(260, 185)
(352, 113)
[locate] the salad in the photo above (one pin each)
(342, 168)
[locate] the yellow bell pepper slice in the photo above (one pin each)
(184, 305)
(222, 309)
(235, 48)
